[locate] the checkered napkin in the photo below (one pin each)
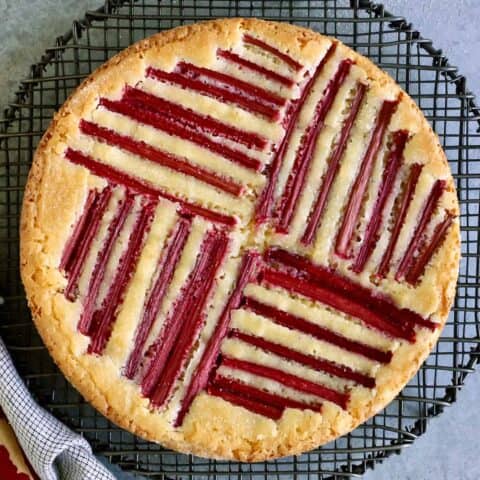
(55, 452)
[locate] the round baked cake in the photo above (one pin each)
(239, 239)
(13, 464)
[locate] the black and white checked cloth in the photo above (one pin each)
(54, 451)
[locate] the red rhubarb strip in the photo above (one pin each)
(428, 210)
(160, 157)
(104, 318)
(303, 159)
(80, 252)
(255, 67)
(210, 355)
(184, 322)
(103, 256)
(326, 366)
(293, 322)
(70, 252)
(329, 279)
(339, 302)
(357, 193)
(188, 208)
(391, 173)
(192, 326)
(269, 411)
(252, 104)
(166, 268)
(422, 260)
(291, 62)
(194, 120)
(266, 398)
(139, 111)
(405, 201)
(333, 165)
(287, 379)
(250, 89)
(142, 187)
(265, 202)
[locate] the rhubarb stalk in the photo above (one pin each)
(250, 392)
(329, 279)
(210, 355)
(264, 204)
(437, 239)
(194, 120)
(336, 300)
(143, 187)
(316, 213)
(288, 379)
(391, 172)
(166, 268)
(184, 322)
(247, 402)
(350, 217)
(304, 156)
(165, 159)
(84, 241)
(70, 252)
(291, 62)
(255, 67)
(429, 208)
(294, 322)
(405, 201)
(337, 370)
(146, 114)
(223, 88)
(103, 256)
(105, 316)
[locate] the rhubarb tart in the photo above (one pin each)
(239, 239)
(13, 464)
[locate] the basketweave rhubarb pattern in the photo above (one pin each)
(245, 169)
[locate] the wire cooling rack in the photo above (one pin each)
(390, 42)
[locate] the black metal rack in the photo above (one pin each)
(390, 42)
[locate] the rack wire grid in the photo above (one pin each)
(391, 43)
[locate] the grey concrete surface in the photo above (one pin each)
(450, 449)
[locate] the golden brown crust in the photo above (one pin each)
(203, 434)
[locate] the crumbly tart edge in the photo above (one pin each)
(209, 439)
(9, 441)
